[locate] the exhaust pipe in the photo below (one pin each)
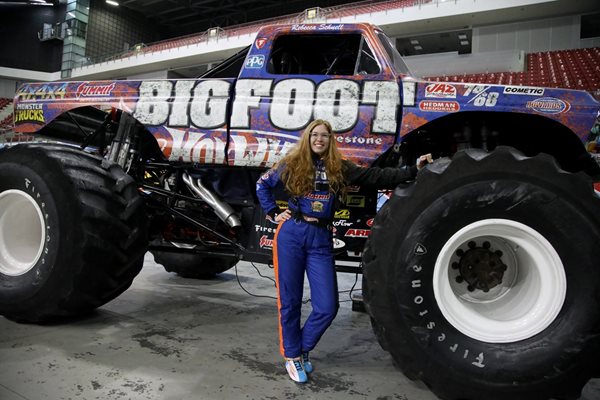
(222, 209)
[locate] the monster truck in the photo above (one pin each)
(481, 278)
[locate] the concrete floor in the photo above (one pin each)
(171, 338)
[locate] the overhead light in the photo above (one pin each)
(71, 14)
(414, 41)
(311, 13)
(462, 36)
(112, 3)
(213, 32)
(418, 47)
(464, 42)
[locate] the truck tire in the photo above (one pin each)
(193, 265)
(72, 232)
(482, 279)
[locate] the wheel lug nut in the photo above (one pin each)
(498, 253)
(486, 245)
(459, 279)
(472, 244)
(460, 253)
(454, 265)
(470, 288)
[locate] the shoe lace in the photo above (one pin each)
(298, 365)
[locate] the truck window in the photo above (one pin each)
(394, 56)
(346, 54)
(229, 68)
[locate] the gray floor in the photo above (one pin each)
(174, 338)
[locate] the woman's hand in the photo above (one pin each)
(284, 216)
(424, 160)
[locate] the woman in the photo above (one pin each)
(313, 174)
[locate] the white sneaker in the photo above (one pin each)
(308, 367)
(296, 370)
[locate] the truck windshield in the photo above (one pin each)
(395, 57)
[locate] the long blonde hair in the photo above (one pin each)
(298, 173)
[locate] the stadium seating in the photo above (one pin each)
(572, 69)
(6, 115)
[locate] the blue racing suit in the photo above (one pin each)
(303, 246)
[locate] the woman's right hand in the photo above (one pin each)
(284, 216)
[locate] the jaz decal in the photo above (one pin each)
(419, 299)
(29, 113)
(440, 91)
(548, 105)
(292, 103)
(439, 106)
(482, 97)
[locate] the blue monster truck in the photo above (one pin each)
(481, 279)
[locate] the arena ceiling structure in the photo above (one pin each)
(187, 16)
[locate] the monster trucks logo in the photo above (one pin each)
(291, 103)
(29, 113)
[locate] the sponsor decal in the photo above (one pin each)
(548, 105)
(29, 113)
(358, 139)
(338, 244)
(420, 249)
(313, 196)
(265, 242)
(260, 42)
(294, 102)
(439, 106)
(353, 189)
(532, 91)
(87, 89)
(362, 233)
(482, 97)
(342, 214)
(260, 228)
(342, 223)
(283, 205)
(440, 91)
(256, 61)
(317, 206)
(355, 201)
(320, 27)
(46, 91)
(370, 222)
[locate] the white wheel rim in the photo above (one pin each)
(22, 230)
(531, 292)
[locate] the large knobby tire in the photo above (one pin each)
(188, 264)
(72, 232)
(483, 280)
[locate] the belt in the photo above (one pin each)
(320, 222)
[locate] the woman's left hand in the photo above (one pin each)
(424, 160)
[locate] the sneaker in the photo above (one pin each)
(296, 370)
(308, 367)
